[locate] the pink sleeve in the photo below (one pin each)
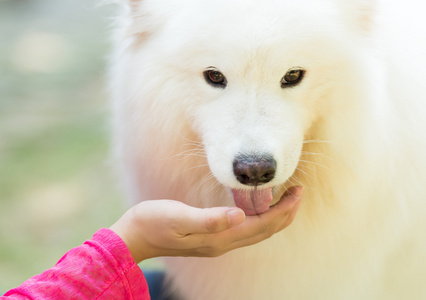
(101, 268)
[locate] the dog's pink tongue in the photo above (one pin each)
(253, 202)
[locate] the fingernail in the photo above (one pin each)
(235, 217)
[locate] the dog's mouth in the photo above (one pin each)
(253, 202)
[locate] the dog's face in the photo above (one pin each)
(252, 79)
(253, 118)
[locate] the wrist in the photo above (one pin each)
(126, 228)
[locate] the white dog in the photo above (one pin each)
(233, 101)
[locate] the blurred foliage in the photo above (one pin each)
(56, 181)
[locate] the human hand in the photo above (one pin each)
(171, 228)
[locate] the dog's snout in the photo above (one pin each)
(254, 170)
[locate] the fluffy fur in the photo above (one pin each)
(352, 132)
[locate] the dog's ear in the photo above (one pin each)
(360, 13)
(142, 19)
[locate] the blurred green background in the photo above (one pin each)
(57, 182)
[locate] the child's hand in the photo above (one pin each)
(170, 228)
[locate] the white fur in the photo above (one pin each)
(353, 132)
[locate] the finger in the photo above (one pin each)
(258, 228)
(211, 220)
(209, 230)
(265, 230)
(287, 201)
(282, 214)
(217, 219)
(252, 231)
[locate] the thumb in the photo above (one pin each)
(211, 220)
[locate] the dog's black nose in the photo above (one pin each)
(254, 169)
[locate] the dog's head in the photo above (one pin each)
(252, 78)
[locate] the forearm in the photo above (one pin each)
(101, 268)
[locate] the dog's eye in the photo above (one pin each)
(215, 78)
(292, 77)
